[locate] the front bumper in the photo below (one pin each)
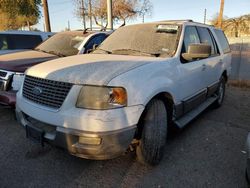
(8, 98)
(84, 144)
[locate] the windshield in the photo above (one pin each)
(62, 44)
(157, 40)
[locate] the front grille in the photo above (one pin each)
(3, 74)
(45, 92)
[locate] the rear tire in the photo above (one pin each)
(154, 133)
(220, 93)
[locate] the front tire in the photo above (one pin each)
(154, 133)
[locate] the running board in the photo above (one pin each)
(183, 121)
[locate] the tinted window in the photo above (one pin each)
(12, 42)
(205, 38)
(3, 42)
(223, 41)
(190, 37)
(96, 40)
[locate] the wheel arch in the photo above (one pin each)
(224, 74)
(168, 101)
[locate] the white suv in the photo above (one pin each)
(143, 79)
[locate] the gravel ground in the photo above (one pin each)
(207, 153)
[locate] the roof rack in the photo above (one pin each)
(93, 29)
(188, 20)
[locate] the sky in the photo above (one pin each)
(62, 11)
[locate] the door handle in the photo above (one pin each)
(220, 62)
(204, 67)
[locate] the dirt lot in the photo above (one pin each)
(207, 153)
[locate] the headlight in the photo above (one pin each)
(101, 98)
(17, 81)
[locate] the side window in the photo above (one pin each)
(223, 40)
(205, 38)
(3, 43)
(23, 41)
(96, 40)
(190, 37)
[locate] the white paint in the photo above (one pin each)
(142, 77)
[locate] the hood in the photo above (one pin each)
(20, 61)
(92, 69)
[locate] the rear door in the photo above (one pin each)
(213, 63)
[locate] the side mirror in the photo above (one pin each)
(197, 51)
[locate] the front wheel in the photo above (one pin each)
(220, 93)
(154, 133)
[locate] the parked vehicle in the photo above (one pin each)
(13, 66)
(13, 41)
(140, 81)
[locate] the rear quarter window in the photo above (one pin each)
(223, 41)
(23, 41)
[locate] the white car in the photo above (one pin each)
(143, 79)
(14, 41)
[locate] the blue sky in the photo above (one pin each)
(62, 11)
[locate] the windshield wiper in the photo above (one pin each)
(57, 53)
(39, 50)
(126, 52)
(51, 52)
(103, 50)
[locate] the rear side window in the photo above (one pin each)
(205, 38)
(15, 41)
(223, 41)
(96, 40)
(3, 43)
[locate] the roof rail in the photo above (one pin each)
(93, 29)
(188, 20)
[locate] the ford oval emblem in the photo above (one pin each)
(37, 91)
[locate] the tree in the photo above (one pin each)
(123, 10)
(20, 13)
(233, 26)
(145, 9)
(237, 26)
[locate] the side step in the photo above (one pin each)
(194, 113)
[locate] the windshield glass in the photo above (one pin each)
(62, 44)
(158, 40)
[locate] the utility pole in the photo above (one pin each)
(205, 16)
(220, 18)
(68, 25)
(110, 14)
(46, 15)
(90, 14)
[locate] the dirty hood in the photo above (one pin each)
(93, 69)
(20, 61)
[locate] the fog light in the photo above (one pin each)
(90, 140)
